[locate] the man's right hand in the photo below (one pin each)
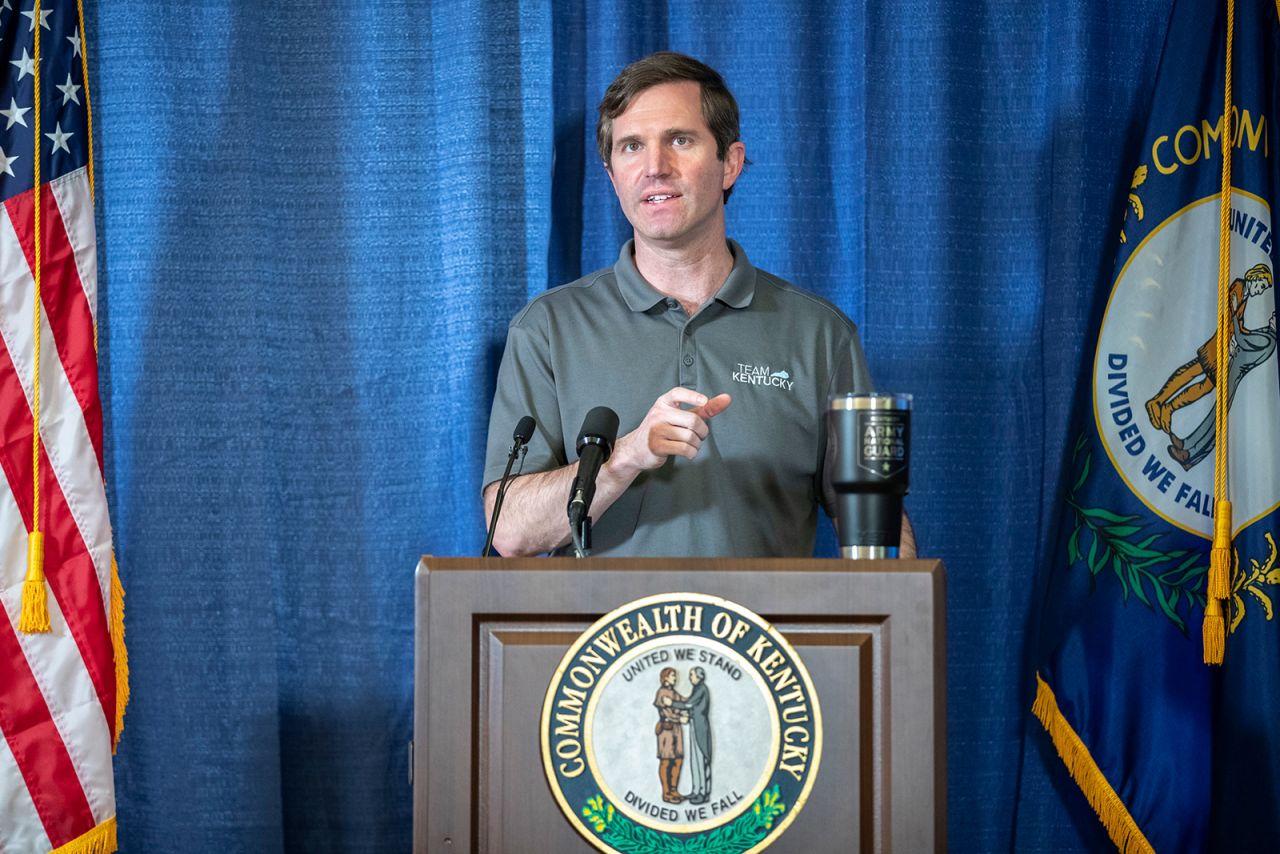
(668, 429)
(533, 519)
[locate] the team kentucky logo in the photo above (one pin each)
(681, 722)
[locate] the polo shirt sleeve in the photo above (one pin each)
(859, 378)
(526, 386)
(850, 375)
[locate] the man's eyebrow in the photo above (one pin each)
(623, 140)
(680, 132)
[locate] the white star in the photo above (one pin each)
(5, 163)
(59, 139)
(25, 66)
(15, 114)
(70, 92)
(75, 43)
(44, 19)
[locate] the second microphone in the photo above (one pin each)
(595, 444)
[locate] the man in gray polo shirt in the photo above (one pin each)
(719, 372)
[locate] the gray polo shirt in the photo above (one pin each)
(611, 339)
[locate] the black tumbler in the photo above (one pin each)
(870, 436)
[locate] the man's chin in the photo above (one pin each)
(657, 231)
(668, 237)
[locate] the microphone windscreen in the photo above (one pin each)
(601, 423)
(524, 430)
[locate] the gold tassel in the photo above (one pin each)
(1214, 632)
(120, 653)
(1115, 817)
(35, 604)
(1220, 555)
(99, 840)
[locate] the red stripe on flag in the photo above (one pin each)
(68, 566)
(37, 747)
(65, 303)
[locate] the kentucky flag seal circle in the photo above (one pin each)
(1172, 754)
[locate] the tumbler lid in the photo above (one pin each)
(897, 401)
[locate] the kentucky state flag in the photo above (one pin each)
(1172, 754)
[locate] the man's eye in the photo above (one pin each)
(681, 140)
(630, 146)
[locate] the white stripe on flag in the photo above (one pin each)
(76, 206)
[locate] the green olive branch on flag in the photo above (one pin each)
(1174, 579)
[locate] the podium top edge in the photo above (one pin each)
(436, 563)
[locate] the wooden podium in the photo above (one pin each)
(490, 632)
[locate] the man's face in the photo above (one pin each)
(695, 677)
(665, 170)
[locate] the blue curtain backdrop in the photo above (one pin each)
(315, 221)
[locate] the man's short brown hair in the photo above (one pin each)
(719, 109)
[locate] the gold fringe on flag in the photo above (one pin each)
(100, 840)
(1115, 817)
(119, 652)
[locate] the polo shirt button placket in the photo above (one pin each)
(688, 374)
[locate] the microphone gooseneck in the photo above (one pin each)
(519, 447)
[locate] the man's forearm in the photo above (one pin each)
(534, 517)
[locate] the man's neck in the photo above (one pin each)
(692, 274)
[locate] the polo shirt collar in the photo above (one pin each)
(736, 292)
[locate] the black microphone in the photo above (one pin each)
(523, 432)
(519, 440)
(595, 444)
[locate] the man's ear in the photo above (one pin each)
(734, 158)
(608, 170)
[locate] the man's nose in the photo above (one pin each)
(657, 161)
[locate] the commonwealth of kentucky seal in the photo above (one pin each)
(681, 722)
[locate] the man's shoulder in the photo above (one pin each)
(794, 298)
(593, 287)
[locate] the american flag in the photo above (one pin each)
(62, 691)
